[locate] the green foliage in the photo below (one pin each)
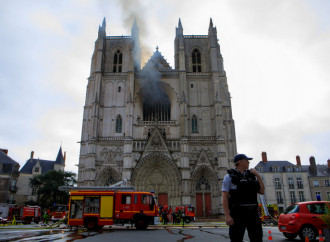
(326, 216)
(47, 187)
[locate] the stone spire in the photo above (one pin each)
(136, 46)
(212, 30)
(135, 30)
(211, 24)
(102, 32)
(179, 29)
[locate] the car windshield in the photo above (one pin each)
(293, 208)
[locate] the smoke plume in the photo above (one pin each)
(133, 10)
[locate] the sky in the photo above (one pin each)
(276, 57)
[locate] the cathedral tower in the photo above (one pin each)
(163, 129)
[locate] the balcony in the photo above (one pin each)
(278, 186)
(13, 188)
(11, 201)
(147, 123)
(280, 201)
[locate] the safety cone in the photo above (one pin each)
(270, 237)
(321, 237)
(306, 239)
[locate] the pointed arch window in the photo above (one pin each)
(119, 122)
(117, 61)
(194, 126)
(196, 61)
(203, 184)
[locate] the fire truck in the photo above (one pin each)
(25, 214)
(94, 207)
(58, 212)
(189, 213)
(269, 217)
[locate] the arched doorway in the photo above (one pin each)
(157, 172)
(203, 198)
(204, 186)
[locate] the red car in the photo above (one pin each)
(3, 220)
(304, 219)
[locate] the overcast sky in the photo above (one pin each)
(276, 56)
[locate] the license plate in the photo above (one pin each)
(283, 227)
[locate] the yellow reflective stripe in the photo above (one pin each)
(77, 197)
(134, 211)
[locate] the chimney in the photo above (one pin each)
(4, 151)
(32, 153)
(312, 165)
(328, 163)
(64, 155)
(298, 160)
(264, 157)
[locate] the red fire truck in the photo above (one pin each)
(59, 212)
(25, 214)
(111, 205)
(188, 211)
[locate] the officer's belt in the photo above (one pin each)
(247, 205)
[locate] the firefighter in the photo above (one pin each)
(46, 217)
(239, 198)
(178, 216)
(174, 217)
(164, 216)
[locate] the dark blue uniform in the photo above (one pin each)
(243, 206)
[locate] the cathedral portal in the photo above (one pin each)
(158, 173)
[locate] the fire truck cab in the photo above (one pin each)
(59, 212)
(189, 213)
(96, 208)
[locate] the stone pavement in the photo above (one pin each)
(200, 222)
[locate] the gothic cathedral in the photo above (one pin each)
(165, 130)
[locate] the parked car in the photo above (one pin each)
(3, 220)
(304, 219)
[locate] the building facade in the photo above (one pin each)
(285, 182)
(319, 180)
(34, 167)
(163, 129)
(8, 178)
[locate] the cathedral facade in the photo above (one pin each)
(165, 130)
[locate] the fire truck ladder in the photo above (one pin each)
(119, 186)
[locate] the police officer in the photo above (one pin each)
(239, 198)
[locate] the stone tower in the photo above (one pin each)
(163, 129)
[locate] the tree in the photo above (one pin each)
(47, 187)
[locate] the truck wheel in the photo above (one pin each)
(141, 223)
(91, 223)
(187, 220)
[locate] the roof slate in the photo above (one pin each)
(46, 165)
(5, 159)
(322, 170)
(60, 158)
(157, 62)
(266, 166)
